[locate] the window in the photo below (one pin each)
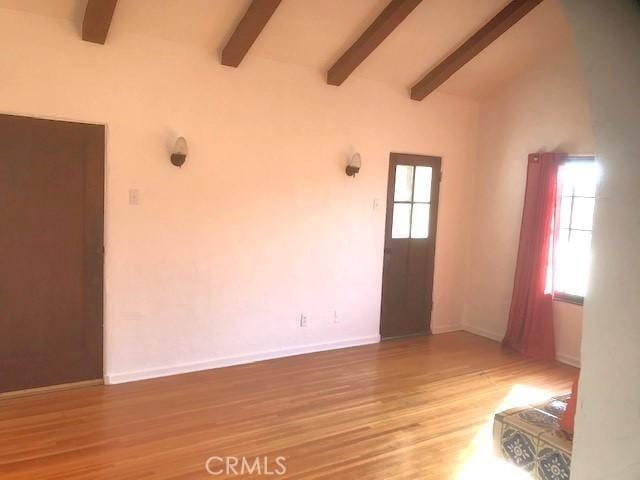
(411, 202)
(577, 190)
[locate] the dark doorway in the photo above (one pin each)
(409, 249)
(51, 252)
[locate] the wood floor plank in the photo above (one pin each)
(411, 408)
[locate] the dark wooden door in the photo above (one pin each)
(51, 252)
(409, 250)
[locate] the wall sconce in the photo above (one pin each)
(354, 164)
(180, 150)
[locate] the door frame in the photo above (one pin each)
(435, 162)
(96, 146)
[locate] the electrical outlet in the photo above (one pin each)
(303, 320)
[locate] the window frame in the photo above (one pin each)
(568, 298)
(411, 202)
(565, 297)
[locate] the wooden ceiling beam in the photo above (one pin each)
(499, 24)
(382, 26)
(97, 20)
(247, 31)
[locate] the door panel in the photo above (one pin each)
(51, 213)
(409, 253)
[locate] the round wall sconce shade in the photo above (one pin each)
(353, 167)
(180, 151)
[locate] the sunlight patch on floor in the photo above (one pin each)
(479, 460)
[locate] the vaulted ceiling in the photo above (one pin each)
(316, 33)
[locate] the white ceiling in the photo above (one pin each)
(314, 33)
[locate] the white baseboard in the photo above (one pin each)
(483, 333)
(111, 379)
(560, 357)
(450, 327)
(568, 359)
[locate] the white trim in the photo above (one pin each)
(236, 360)
(57, 118)
(482, 332)
(560, 357)
(446, 328)
(568, 359)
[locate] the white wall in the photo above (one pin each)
(544, 109)
(261, 224)
(607, 437)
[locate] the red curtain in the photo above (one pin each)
(530, 328)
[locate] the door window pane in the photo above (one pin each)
(401, 220)
(404, 183)
(420, 220)
(422, 189)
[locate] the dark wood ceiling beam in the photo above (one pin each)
(499, 24)
(387, 21)
(97, 20)
(247, 31)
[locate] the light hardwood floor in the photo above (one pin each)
(403, 409)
